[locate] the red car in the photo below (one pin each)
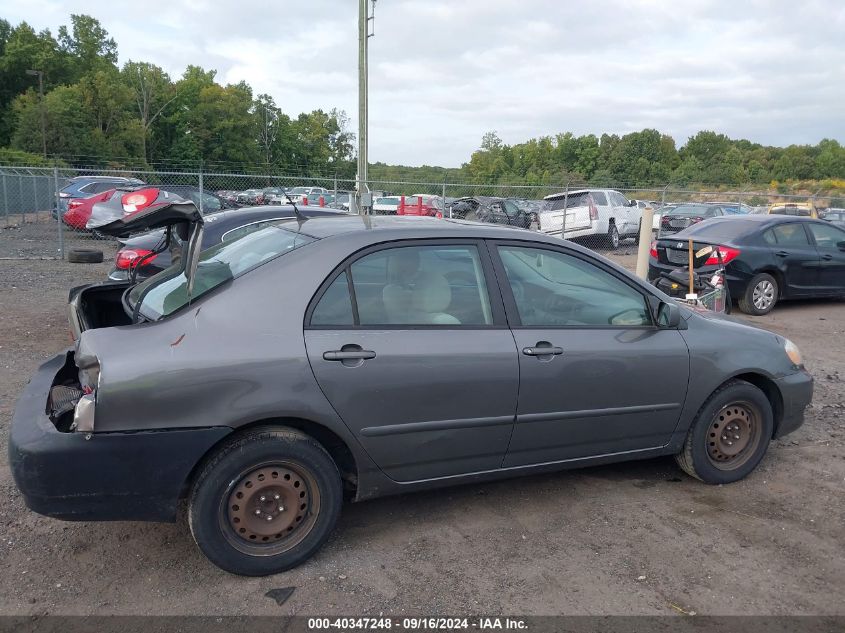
(79, 209)
(420, 205)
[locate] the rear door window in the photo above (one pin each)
(792, 234)
(599, 198)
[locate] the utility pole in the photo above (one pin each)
(40, 75)
(362, 195)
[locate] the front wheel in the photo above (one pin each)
(729, 436)
(265, 502)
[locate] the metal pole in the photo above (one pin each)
(565, 205)
(444, 199)
(59, 215)
(363, 40)
(201, 188)
(35, 196)
(5, 199)
(41, 107)
(20, 192)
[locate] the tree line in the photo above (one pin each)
(97, 113)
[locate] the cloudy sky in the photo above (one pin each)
(443, 72)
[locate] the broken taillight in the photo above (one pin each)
(728, 254)
(135, 201)
(126, 258)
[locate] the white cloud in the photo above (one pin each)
(443, 72)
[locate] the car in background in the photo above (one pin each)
(793, 208)
(80, 210)
(492, 210)
(297, 194)
(658, 214)
(767, 258)
(87, 186)
(603, 214)
(420, 204)
(250, 197)
(734, 208)
(687, 214)
(229, 196)
(145, 254)
(835, 217)
(269, 378)
(386, 205)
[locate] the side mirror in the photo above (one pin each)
(632, 203)
(668, 315)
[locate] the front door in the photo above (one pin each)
(410, 346)
(597, 377)
(830, 241)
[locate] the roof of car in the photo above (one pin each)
(575, 192)
(408, 226)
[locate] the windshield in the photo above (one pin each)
(167, 292)
(297, 191)
(392, 201)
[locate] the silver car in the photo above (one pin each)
(269, 378)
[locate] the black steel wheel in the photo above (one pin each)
(730, 434)
(265, 502)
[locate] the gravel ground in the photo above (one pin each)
(636, 538)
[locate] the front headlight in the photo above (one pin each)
(793, 352)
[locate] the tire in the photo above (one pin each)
(760, 295)
(303, 493)
(612, 237)
(737, 409)
(84, 256)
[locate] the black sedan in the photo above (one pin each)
(767, 258)
(685, 215)
(149, 254)
(492, 210)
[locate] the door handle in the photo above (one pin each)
(360, 354)
(542, 348)
(827, 257)
(782, 254)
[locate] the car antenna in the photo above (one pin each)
(299, 216)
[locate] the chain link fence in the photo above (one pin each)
(44, 210)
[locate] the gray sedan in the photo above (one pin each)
(268, 378)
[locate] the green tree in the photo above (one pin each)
(152, 94)
(88, 43)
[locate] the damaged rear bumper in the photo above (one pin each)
(135, 476)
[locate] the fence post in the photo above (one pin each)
(20, 191)
(201, 188)
(565, 206)
(5, 199)
(35, 196)
(444, 199)
(58, 212)
(335, 188)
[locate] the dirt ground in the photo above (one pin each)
(635, 538)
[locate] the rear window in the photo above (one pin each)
(698, 210)
(722, 230)
(167, 292)
(785, 210)
(573, 200)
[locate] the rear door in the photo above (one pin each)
(796, 258)
(829, 241)
(409, 344)
(596, 375)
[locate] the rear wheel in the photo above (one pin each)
(729, 436)
(612, 237)
(265, 502)
(760, 295)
